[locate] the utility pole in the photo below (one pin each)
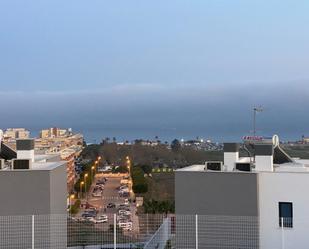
(255, 111)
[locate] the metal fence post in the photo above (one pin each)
(115, 231)
(282, 233)
(196, 231)
(32, 232)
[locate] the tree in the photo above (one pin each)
(175, 145)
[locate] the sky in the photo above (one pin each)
(144, 68)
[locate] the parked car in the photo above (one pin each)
(125, 225)
(124, 212)
(111, 205)
(101, 219)
(97, 194)
(123, 207)
(124, 194)
(89, 215)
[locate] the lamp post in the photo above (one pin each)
(81, 188)
(93, 172)
(85, 180)
(72, 196)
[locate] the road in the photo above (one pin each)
(110, 195)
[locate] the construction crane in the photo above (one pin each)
(255, 111)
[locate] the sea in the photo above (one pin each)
(167, 135)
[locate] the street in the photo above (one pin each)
(110, 195)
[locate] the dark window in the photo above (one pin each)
(214, 166)
(21, 164)
(286, 214)
(243, 166)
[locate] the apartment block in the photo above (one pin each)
(33, 194)
(16, 133)
(264, 191)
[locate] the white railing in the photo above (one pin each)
(152, 232)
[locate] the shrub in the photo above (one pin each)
(139, 182)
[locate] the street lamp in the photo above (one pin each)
(72, 196)
(85, 178)
(99, 158)
(81, 188)
(92, 171)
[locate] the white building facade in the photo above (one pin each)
(266, 184)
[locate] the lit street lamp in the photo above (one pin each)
(92, 171)
(81, 188)
(72, 196)
(85, 178)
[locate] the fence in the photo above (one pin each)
(152, 232)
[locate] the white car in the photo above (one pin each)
(126, 190)
(126, 202)
(97, 194)
(101, 219)
(124, 212)
(125, 225)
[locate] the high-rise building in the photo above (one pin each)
(15, 133)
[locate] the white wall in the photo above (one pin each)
(264, 163)
(284, 187)
(230, 158)
(25, 154)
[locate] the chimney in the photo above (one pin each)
(231, 155)
(264, 157)
(25, 149)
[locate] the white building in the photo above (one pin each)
(267, 187)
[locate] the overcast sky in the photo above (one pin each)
(161, 64)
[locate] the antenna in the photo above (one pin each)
(255, 111)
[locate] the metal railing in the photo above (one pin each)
(152, 231)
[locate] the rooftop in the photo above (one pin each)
(263, 156)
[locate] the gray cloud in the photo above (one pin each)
(210, 108)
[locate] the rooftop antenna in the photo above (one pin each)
(255, 111)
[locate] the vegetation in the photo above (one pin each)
(161, 187)
(75, 207)
(120, 169)
(139, 182)
(87, 180)
(152, 156)
(153, 207)
(300, 151)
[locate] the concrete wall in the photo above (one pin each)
(24, 192)
(41, 193)
(218, 198)
(27, 192)
(283, 187)
(58, 187)
(216, 193)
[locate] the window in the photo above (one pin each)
(286, 214)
